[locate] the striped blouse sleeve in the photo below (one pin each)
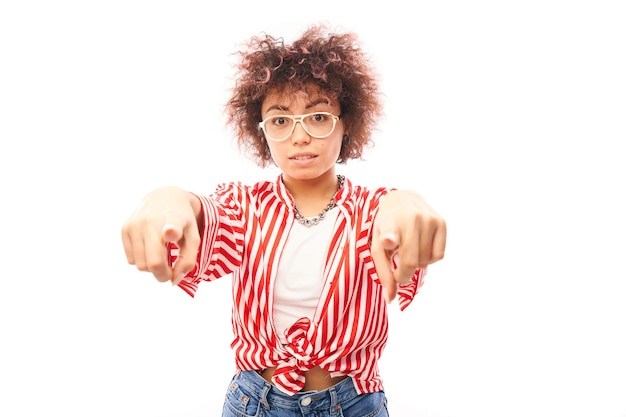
(221, 237)
(408, 291)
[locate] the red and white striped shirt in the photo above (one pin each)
(245, 230)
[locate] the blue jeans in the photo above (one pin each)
(249, 395)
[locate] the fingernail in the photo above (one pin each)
(389, 241)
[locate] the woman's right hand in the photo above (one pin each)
(168, 214)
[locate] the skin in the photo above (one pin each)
(307, 163)
(406, 228)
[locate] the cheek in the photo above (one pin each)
(335, 146)
(277, 152)
(274, 148)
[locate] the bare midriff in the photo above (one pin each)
(316, 379)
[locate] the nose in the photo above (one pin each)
(299, 135)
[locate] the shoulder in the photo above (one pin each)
(242, 190)
(356, 192)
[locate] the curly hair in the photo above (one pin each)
(334, 62)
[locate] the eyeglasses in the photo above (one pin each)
(318, 125)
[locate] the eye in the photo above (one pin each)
(280, 121)
(319, 117)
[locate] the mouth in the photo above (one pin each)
(302, 156)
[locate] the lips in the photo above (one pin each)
(302, 156)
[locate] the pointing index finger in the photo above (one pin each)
(383, 248)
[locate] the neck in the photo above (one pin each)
(322, 187)
(312, 196)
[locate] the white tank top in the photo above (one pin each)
(299, 280)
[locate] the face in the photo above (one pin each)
(301, 156)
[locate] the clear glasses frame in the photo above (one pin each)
(299, 118)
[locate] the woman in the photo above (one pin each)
(314, 258)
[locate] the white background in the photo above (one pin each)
(508, 116)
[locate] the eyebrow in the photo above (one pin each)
(320, 100)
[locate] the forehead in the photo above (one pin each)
(288, 96)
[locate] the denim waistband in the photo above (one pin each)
(305, 401)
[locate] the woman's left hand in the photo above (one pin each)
(407, 232)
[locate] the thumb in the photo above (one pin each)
(390, 241)
(171, 233)
(173, 226)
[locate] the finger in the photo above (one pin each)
(138, 254)
(409, 255)
(128, 245)
(171, 233)
(390, 241)
(174, 222)
(426, 236)
(432, 243)
(439, 243)
(157, 256)
(187, 254)
(416, 249)
(382, 258)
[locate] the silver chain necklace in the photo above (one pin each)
(315, 220)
